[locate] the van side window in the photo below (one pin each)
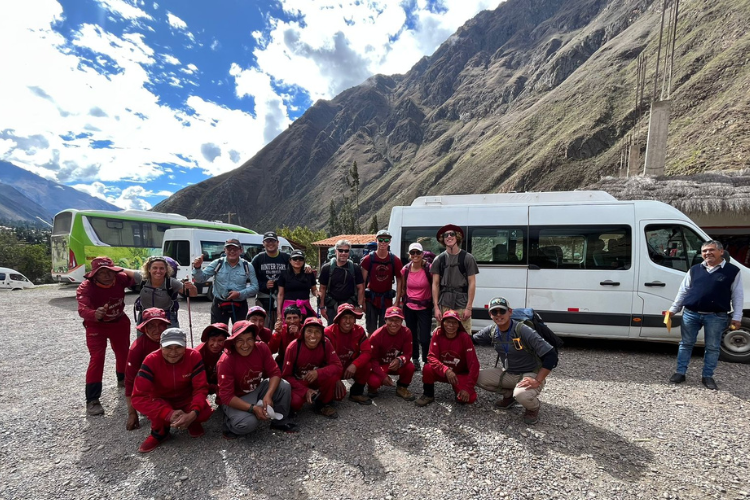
(179, 250)
(422, 235)
(253, 250)
(17, 277)
(2, 276)
(498, 245)
(673, 246)
(581, 247)
(212, 250)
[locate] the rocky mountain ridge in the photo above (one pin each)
(535, 95)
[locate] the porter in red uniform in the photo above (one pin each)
(285, 333)
(451, 359)
(257, 316)
(353, 349)
(211, 348)
(391, 354)
(171, 390)
(101, 304)
(250, 384)
(312, 368)
(153, 322)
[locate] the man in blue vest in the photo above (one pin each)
(708, 293)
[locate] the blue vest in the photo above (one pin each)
(711, 292)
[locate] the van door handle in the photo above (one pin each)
(609, 283)
(655, 283)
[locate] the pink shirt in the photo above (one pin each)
(417, 287)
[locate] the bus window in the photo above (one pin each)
(581, 247)
(253, 250)
(423, 235)
(179, 250)
(673, 246)
(497, 245)
(62, 223)
(212, 250)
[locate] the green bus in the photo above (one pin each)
(128, 237)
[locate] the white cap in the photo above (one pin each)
(416, 246)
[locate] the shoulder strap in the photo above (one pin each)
(218, 266)
(331, 267)
(247, 270)
(462, 261)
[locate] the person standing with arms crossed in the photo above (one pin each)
(708, 292)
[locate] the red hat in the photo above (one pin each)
(394, 312)
(450, 314)
(220, 327)
(346, 308)
(256, 310)
(311, 322)
(448, 227)
(101, 263)
(238, 329)
(152, 314)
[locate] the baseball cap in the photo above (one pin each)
(416, 246)
(270, 235)
(173, 336)
(233, 242)
(297, 253)
(383, 232)
(256, 310)
(152, 314)
(394, 312)
(499, 303)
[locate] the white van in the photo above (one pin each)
(184, 245)
(591, 265)
(10, 279)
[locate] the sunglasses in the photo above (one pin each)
(341, 250)
(449, 234)
(415, 252)
(384, 240)
(498, 312)
(298, 258)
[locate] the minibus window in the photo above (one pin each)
(673, 246)
(423, 235)
(253, 250)
(212, 250)
(179, 250)
(2, 276)
(497, 245)
(581, 247)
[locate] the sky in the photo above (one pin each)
(132, 100)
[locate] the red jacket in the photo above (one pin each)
(265, 335)
(281, 340)
(353, 347)
(387, 347)
(323, 358)
(240, 375)
(210, 360)
(142, 347)
(161, 387)
(91, 296)
(457, 354)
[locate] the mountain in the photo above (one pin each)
(37, 193)
(535, 95)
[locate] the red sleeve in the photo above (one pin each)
(433, 356)
(265, 335)
(407, 347)
(275, 342)
(365, 352)
(225, 371)
(375, 355)
(145, 399)
(135, 358)
(86, 308)
(364, 264)
(472, 361)
(125, 281)
(333, 368)
(290, 356)
(270, 368)
(199, 380)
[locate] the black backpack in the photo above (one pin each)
(521, 317)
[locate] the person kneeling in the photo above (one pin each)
(250, 384)
(391, 354)
(353, 349)
(312, 368)
(451, 359)
(171, 389)
(211, 349)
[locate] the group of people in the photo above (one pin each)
(169, 382)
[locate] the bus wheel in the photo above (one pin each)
(735, 345)
(210, 292)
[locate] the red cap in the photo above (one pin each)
(451, 314)
(238, 329)
(152, 314)
(221, 327)
(344, 309)
(394, 312)
(101, 263)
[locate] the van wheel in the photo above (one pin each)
(210, 292)
(735, 345)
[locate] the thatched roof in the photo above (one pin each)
(709, 193)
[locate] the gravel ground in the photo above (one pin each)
(611, 427)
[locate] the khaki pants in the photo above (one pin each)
(496, 380)
(466, 322)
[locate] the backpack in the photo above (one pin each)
(172, 312)
(391, 262)
(532, 319)
(301, 341)
(244, 262)
(349, 269)
(461, 267)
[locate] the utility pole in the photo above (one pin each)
(229, 216)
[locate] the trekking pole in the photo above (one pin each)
(190, 317)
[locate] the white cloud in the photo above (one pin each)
(176, 22)
(124, 9)
(170, 59)
(130, 198)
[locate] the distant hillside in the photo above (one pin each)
(535, 95)
(39, 193)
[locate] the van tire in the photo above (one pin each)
(210, 292)
(735, 345)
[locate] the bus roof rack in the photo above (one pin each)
(528, 197)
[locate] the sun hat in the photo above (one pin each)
(152, 314)
(213, 330)
(102, 263)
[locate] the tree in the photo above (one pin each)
(305, 237)
(334, 226)
(33, 261)
(373, 225)
(353, 184)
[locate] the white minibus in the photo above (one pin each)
(184, 245)
(10, 279)
(591, 266)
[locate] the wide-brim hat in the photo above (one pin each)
(311, 322)
(102, 263)
(346, 309)
(449, 227)
(220, 327)
(152, 314)
(451, 314)
(238, 329)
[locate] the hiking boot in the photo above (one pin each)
(417, 366)
(709, 383)
(151, 443)
(424, 400)
(506, 403)
(677, 378)
(405, 394)
(372, 393)
(195, 430)
(94, 408)
(288, 427)
(530, 417)
(121, 384)
(229, 435)
(327, 411)
(360, 398)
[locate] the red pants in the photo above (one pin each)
(118, 333)
(405, 374)
(360, 377)
(299, 391)
(430, 376)
(159, 427)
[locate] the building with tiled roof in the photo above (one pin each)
(358, 242)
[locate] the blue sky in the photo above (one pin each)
(132, 100)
